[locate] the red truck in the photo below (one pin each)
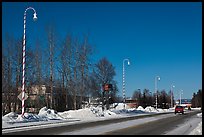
(179, 109)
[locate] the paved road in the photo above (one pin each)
(157, 127)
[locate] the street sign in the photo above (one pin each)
(20, 96)
(107, 87)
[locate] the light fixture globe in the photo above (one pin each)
(128, 62)
(35, 17)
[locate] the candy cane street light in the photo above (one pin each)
(24, 45)
(124, 79)
(157, 78)
(181, 92)
(172, 86)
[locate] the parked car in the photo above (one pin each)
(179, 109)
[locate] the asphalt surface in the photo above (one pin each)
(157, 127)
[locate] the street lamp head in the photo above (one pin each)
(35, 16)
(128, 62)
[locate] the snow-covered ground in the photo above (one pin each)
(198, 129)
(47, 116)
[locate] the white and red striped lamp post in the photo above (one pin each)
(24, 45)
(124, 80)
(157, 78)
(172, 86)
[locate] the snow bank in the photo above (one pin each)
(86, 114)
(15, 118)
(150, 109)
(140, 108)
(199, 108)
(29, 117)
(43, 115)
(10, 117)
(199, 114)
(51, 114)
(119, 106)
(80, 113)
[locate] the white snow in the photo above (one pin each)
(47, 117)
(198, 129)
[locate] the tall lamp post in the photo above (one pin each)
(157, 78)
(172, 86)
(124, 79)
(181, 92)
(24, 46)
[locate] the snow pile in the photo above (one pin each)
(13, 117)
(119, 106)
(130, 111)
(51, 114)
(199, 114)
(87, 113)
(199, 108)
(108, 113)
(43, 115)
(29, 117)
(150, 109)
(97, 111)
(80, 113)
(10, 117)
(141, 108)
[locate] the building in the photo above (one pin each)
(184, 102)
(131, 103)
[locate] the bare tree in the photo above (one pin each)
(17, 67)
(103, 74)
(84, 63)
(138, 96)
(104, 71)
(3, 82)
(38, 63)
(75, 69)
(36, 73)
(52, 47)
(65, 68)
(8, 72)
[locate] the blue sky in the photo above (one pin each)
(159, 38)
